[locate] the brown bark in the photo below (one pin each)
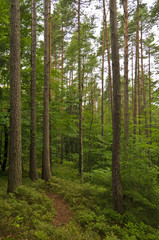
(15, 162)
(108, 57)
(51, 91)
(80, 94)
(136, 73)
(62, 60)
(150, 114)
(102, 102)
(32, 168)
(91, 124)
(126, 99)
(85, 98)
(143, 84)
(46, 171)
(139, 99)
(116, 181)
(132, 82)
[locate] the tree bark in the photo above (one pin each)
(139, 98)
(46, 170)
(62, 61)
(90, 128)
(150, 114)
(143, 84)
(15, 161)
(126, 99)
(136, 73)
(80, 94)
(32, 169)
(108, 53)
(50, 89)
(103, 53)
(116, 182)
(132, 82)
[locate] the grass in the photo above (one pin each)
(28, 213)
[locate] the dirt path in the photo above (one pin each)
(63, 213)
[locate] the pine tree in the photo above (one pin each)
(136, 74)
(80, 92)
(15, 162)
(46, 170)
(32, 170)
(126, 99)
(116, 182)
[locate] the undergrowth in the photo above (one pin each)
(28, 214)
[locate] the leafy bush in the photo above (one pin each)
(24, 213)
(140, 192)
(99, 177)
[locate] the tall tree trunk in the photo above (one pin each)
(80, 93)
(85, 98)
(46, 170)
(139, 99)
(91, 124)
(51, 93)
(62, 56)
(132, 82)
(136, 73)
(143, 84)
(15, 161)
(50, 90)
(126, 93)
(108, 57)
(32, 168)
(150, 114)
(102, 102)
(116, 182)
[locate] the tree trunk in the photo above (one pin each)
(90, 129)
(85, 98)
(102, 102)
(136, 73)
(46, 170)
(15, 161)
(116, 182)
(62, 56)
(51, 91)
(80, 94)
(132, 82)
(139, 99)
(32, 169)
(126, 93)
(143, 85)
(108, 53)
(150, 114)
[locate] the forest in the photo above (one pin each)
(79, 127)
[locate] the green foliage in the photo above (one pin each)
(140, 185)
(29, 213)
(99, 177)
(26, 212)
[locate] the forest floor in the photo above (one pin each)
(66, 209)
(63, 212)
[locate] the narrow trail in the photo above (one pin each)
(63, 213)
